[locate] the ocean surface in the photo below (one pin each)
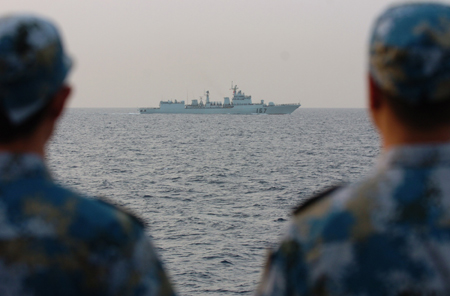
(216, 191)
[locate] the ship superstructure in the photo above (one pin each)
(239, 104)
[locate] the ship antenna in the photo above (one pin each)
(233, 88)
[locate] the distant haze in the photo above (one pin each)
(136, 53)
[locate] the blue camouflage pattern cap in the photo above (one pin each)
(33, 65)
(410, 52)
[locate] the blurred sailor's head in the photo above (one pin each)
(33, 70)
(409, 65)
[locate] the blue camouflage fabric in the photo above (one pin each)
(388, 234)
(55, 242)
(410, 52)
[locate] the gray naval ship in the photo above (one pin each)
(240, 104)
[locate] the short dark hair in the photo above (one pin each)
(10, 132)
(422, 116)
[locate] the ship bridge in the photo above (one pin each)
(239, 98)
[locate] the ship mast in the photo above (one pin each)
(233, 88)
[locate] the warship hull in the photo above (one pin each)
(239, 109)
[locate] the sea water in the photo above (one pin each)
(216, 191)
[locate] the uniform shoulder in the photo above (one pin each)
(94, 202)
(99, 219)
(316, 198)
(97, 210)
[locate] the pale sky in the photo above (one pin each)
(134, 53)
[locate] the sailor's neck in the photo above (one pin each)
(405, 137)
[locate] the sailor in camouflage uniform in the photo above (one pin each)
(388, 234)
(52, 240)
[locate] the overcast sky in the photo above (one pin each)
(134, 53)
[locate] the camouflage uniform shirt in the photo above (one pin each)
(386, 235)
(55, 242)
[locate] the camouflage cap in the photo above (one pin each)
(410, 52)
(33, 65)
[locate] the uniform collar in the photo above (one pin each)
(19, 166)
(416, 156)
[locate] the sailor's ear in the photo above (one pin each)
(59, 101)
(375, 94)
